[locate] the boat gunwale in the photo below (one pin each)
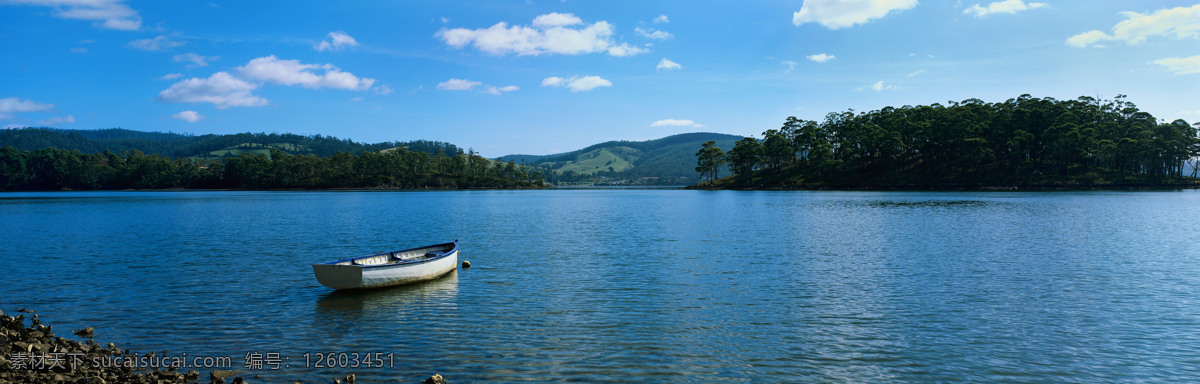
(402, 263)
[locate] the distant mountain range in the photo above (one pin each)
(669, 160)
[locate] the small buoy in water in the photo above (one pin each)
(466, 264)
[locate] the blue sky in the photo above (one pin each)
(549, 76)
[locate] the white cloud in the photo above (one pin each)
(576, 83)
(221, 89)
(493, 90)
(81, 49)
(158, 43)
(675, 123)
(790, 64)
(1006, 6)
(382, 90)
(549, 34)
(337, 41)
(225, 90)
(835, 14)
(458, 85)
(171, 76)
(652, 34)
(1181, 65)
(588, 83)
(1088, 38)
(667, 65)
(188, 116)
(878, 87)
(625, 50)
(195, 60)
(1180, 22)
(11, 106)
(110, 14)
(56, 121)
(661, 19)
(555, 19)
(821, 57)
(292, 72)
(917, 72)
(467, 85)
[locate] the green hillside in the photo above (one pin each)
(257, 149)
(52, 159)
(666, 161)
(670, 160)
(614, 159)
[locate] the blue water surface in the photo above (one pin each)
(656, 286)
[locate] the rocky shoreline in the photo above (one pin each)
(35, 355)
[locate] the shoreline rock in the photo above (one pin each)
(35, 355)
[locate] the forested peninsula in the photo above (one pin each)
(1025, 142)
(394, 168)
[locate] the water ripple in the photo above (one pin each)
(646, 285)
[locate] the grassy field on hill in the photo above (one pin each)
(667, 161)
(614, 159)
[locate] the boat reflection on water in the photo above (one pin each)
(396, 303)
(391, 323)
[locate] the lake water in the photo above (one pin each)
(633, 285)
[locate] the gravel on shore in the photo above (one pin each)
(35, 355)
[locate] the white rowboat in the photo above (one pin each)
(389, 268)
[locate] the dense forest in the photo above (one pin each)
(179, 145)
(1025, 141)
(59, 169)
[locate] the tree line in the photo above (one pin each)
(1021, 141)
(181, 145)
(59, 169)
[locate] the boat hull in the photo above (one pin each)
(349, 275)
